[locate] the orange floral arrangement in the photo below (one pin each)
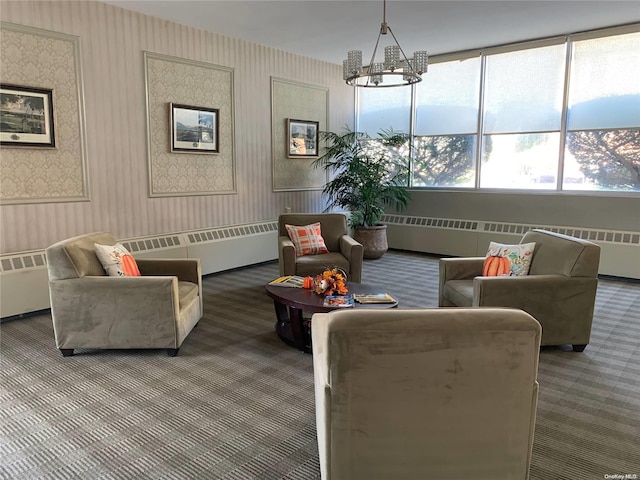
(331, 282)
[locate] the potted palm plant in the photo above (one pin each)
(368, 174)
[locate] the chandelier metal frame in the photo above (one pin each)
(400, 70)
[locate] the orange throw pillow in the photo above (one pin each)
(307, 239)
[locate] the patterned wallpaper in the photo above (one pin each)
(112, 42)
(302, 102)
(174, 80)
(37, 58)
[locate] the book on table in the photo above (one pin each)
(288, 281)
(374, 298)
(340, 301)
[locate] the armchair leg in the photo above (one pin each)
(579, 348)
(172, 352)
(66, 352)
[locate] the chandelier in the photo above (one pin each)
(395, 71)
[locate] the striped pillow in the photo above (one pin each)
(307, 239)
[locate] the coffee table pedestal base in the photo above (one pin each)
(290, 327)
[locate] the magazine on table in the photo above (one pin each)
(340, 301)
(374, 298)
(288, 281)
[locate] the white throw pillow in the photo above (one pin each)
(518, 256)
(117, 261)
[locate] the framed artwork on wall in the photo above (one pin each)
(302, 138)
(26, 116)
(194, 129)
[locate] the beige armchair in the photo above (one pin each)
(344, 251)
(425, 393)
(559, 291)
(93, 310)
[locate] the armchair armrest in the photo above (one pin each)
(464, 268)
(131, 292)
(320, 344)
(108, 311)
(354, 252)
(186, 269)
(461, 268)
(322, 385)
(530, 292)
(286, 256)
(563, 305)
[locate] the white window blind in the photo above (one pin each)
(384, 108)
(524, 90)
(604, 88)
(447, 98)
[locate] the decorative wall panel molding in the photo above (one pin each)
(33, 57)
(303, 102)
(188, 82)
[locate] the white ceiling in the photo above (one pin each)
(326, 30)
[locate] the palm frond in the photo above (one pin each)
(367, 174)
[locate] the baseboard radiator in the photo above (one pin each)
(620, 254)
(24, 282)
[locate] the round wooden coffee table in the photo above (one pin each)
(290, 302)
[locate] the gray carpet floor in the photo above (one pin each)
(237, 403)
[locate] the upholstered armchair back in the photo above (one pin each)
(332, 225)
(76, 257)
(425, 393)
(557, 254)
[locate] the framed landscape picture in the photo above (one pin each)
(194, 129)
(26, 116)
(302, 138)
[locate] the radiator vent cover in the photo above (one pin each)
(595, 235)
(154, 243)
(37, 259)
(450, 223)
(224, 233)
(606, 236)
(21, 261)
(24, 284)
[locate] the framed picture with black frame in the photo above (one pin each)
(302, 138)
(26, 116)
(194, 129)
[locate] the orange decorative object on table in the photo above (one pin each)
(307, 282)
(331, 282)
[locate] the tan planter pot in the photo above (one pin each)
(373, 239)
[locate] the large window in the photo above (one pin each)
(556, 114)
